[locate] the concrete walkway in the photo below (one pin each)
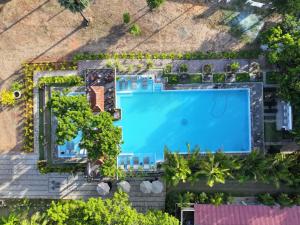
(20, 178)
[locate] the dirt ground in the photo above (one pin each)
(39, 30)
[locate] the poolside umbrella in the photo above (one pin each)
(103, 188)
(157, 187)
(124, 186)
(146, 187)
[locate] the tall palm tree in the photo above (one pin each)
(176, 168)
(76, 6)
(212, 170)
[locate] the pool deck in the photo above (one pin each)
(256, 105)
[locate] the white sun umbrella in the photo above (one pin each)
(103, 188)
(124, 186)
(146, 187)
(157, 187)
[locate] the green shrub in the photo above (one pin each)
(152, 4)
(296, 199)
(195, 78)
(202, 198)
(172, 78)
(59, 80)
(168, 68)
(284, 200)
(126, 17)
(242, 77)
(272, 77)
(217, 199)
(229, 199)
(219, 77)
(234, 66)
(183, 68)
(7, 98)
(185, 199)
(16, 86)
(266, 199)
(135, 30)
(207, 69)
(150, 64)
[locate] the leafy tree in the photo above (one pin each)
(100, 137)
(126, 18)
(72, 113)
(213, 170)
(75, 6)
(7, 98)
(287, 6)
(153, 4)
(176, 168)
(135, 30)
(117, 210)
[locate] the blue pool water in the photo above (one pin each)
(211, 119)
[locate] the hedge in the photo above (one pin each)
(245, 54)
(242, 77)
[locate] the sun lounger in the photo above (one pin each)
(146, 163)
(135, 163)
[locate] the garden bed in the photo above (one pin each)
(242, 77)
(272, 77)
(219, 77)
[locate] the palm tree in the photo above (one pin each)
(212, 170)
(76, 6)
(176, 168)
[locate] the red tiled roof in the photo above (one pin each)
(97, 98)
(245, 215)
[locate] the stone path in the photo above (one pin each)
(19, 178)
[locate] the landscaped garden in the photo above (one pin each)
(61, 113)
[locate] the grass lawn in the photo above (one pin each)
(271, 134)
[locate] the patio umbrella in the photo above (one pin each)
(124, 186)
(146, 187)
(157, 187)
(103, 188)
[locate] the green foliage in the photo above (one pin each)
(217, 199)
(135, 30)
(185, 199)
(287, 6)
(102, 139)
(150, 64)
(207, 68)
(168, 68)
(266, 199)
(16, 86)
(153, 4)
(176, 168)
(296, 199)
(284, 200)
(172, 78)
(7, 98)
(219, 77)
(245, 54)
(72, 114)
(183, 68)
(234, 66)
(242, 77)
(117, 210)
(202, 198)
(195, 78)
(45, 168)
(74, 5)
(61, 80)
(126, 18)
(217, 168)
(272, 77)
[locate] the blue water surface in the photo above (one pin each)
(211, 119)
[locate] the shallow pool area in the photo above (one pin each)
(213, 119)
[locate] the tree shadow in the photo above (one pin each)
(23, 17)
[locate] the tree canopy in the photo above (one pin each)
(116, 210)
(287, 6)
(100, 137)
(284, 50)
(75, 5)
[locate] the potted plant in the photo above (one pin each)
(207, 69)
(16, 88)
(234, 67)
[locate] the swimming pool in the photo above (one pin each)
(212, 119)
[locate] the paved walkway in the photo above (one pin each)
(19, 178)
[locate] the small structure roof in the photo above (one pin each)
(97, 98)
(245, 215)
